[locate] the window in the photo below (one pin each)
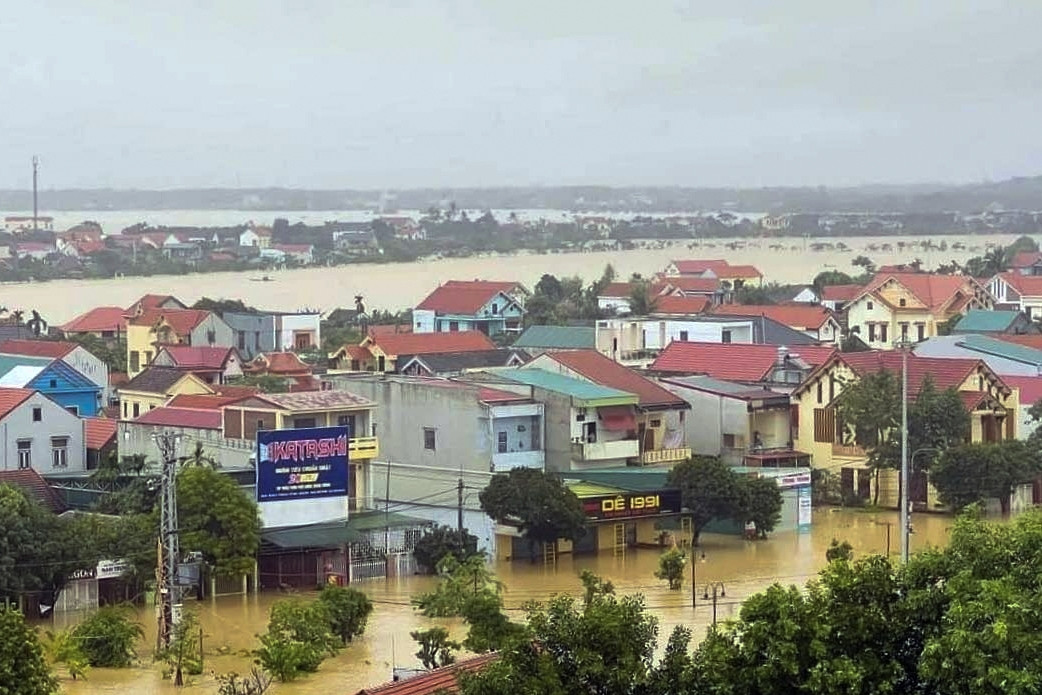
(832, 388)
(683, 336)
(37, 414)
(904, 332)
(725, 336)
(590, 432)
(871, 332)
(54, 383)
(502, 443)
(25, 451)
(921, 331)
(354, 365)
(260, 425)
(347, 421)
(495, 308)
(137, 409)
(60, 452)
(729, 441)
(824, 425)
(869, 306)
(453, 326)
(148, 357)
(256, 340)
(882, 332)
(821, 392)
(135, 361)
(124, 409)
(655, 423)
(302, 341)
(242, 340)
(74, 409)
(211, 336)
(537, 436)
(303, 422)
(902, 302)
(428, 438)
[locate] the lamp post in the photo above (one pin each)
(715, 587)
(906, 528)
(694, 582)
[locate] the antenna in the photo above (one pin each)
(36, 167)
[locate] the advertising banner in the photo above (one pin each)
(302, 463)
(632, 505)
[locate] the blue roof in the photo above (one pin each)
(557, 337)
(1000, 348)
(984, 321)
(584, 391)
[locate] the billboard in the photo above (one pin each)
(632, 505)
(305, 463)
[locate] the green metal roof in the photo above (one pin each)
(630, 479)
(9, 362)
(1000, 348)
(586, 393)
(983, 321)
(336, 533)
(559, 337)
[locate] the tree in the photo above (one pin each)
(62, 648)
(839, 551)
(298, 639)
(439, 541)
(538, 503)
(458, 582)
(642, 301)
(217, 519)
(871, 407)
(107, 637)
(759, 502)
(490, 628)
(257, 683)
(865, 263)
(23, 670)
(347, 611)
(937, 420)
(435, 647)
(671, 568)
(185, 653)
(972, 473)
(830, 277)
(708, 488)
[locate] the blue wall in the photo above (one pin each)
(68, 388)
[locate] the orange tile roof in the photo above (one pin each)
(203, 401)
(739, 271)
(440, 680)
(461, 297)
(235, 390)
(1025, 259)
(152, 301)
(279, 363)
(102, 318)
(54, 349)
(11, 398)
(693, 285)
(732, 361)
(203, 357)
(357, 352)
(34, 487)
(802, 317)
(1025, 285)
(182, 417)
(395, 344)
(98, 431)
(607, 372)
(946, 372)
(697, 267)
(682, 306)
(934, 291)
(840, 293)
(182, 321)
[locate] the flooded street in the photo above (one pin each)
(744, 567)
(393, 286)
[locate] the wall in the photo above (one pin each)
(254, 333)
(710, 418)
(223, 334)
(633, 335)
(143, 401)
(136, 439)
(89, 366)
(55, 422)
(288, 325)
(423, 320)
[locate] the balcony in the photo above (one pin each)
(665, 456)
(847, 451)
(603, 451)
(508, 460)
(362, 448)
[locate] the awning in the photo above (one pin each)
(618, 418)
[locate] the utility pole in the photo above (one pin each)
(717, 587)
(169, 547)
(904, 453)
(459, 507)
(36, 210)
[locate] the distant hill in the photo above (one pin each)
(1023, 193)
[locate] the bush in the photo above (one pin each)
(298, 639)
(23, 670)
(671, 568)
(435, 647)
(184, 655)
(107, 637)
(347, 611)
(440, 541)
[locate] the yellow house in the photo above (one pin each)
(150, 329)
(154, 387)
(279, 411)
(734, 275)
(992, 406)
(380, 350)
(908, 307)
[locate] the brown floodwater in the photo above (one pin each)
(744, 567)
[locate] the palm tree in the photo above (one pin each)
(199, 459)
(16, 316)
(36, 324)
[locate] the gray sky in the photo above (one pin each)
(391, 93)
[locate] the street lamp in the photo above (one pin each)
(716, 587)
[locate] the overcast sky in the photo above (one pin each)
(391, 93)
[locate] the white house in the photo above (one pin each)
(37, 433)
(1020, 292)
(72, 354)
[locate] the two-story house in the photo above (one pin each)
(814, 320)
(767, 366)
(273, 331)
(489, 307)
(151, 329)
(380, 351)
(39, 434)
(660, 414)
(155, 386)
(902, 307)
(72, 354)
(734, 276)
(214, 365)
(55, 379)
(1018, 292)
(991, 403)
(105, 322)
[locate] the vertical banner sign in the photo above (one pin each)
(302, 463)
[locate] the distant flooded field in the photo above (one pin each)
(399, 285)
(744, 567)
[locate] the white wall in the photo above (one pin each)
(55, 422)
(288, 323)
(423, 320)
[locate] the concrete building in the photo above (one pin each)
(72, 354)
(214, 365)
(814, 320)
(37, 433)
(480, 305)
(1004, 358)
(148, 330)
(437, 432)
(154, 387)
(1014, 291)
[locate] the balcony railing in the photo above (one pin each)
(665, 456)
(508, 460)
(598, 451)
(848, 450)
(363, 447)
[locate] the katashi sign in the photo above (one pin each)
(302, 463)
(632, 505)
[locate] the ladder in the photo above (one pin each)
(619, 547)
(549, 554)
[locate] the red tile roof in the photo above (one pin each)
(697, 267)
(293, 248)
(183, 321)
(840, 293)
(287, 363)
(934, 291)
(235, 391)
(1025, 259)
(98, 431)
(507, 286)
(1026, 285)
(182, 417)
(461, 297)
(607, 372)
(102, 318)
(385, 328)
(55, 349)
(395, 344)
(356, 352)
(33, 487)
(684, 306)
(693, 285)
(87, 246)
(733, 361)
(620, 290)
(1030, 387)
(739, 271)
(152, 301)
(802, 317)
(203, 401)
(11, 398)
(946, 372)
(440, 680)
(189, 357)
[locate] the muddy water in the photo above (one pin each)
(398, 285)
(744, 567)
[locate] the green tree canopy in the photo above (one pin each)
(439, 541)
(709, 489)
(218, 519)
(538, 503)
(971, 473)
(23, 669)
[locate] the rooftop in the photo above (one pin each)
(463, 297)
(34, 488)
(840, 293)
(98, 431)
(316, 400)
(279, 363)
(98, 319)
(182, 417)
(1026, 285)
(556, 337)
(439, 680)
(1030, 388)
(984, 321)
(733, 361)
(1001, 348)
(53, 349)
(155, 380)
(189, 357)
(439, 362)
(945, 372)
(395, 344)
(607, 372)
(932, 290)
(11, 398)
(182, 321)
(578, 389)
(680, 306)
(804, 317)
(729, 389)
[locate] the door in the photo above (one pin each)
(864, 484)
(846, 482)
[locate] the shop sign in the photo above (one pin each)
(112, 569)
(632, 505)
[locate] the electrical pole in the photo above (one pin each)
(459, 507)
(904, 453)
(36, 166)
(169, 546)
